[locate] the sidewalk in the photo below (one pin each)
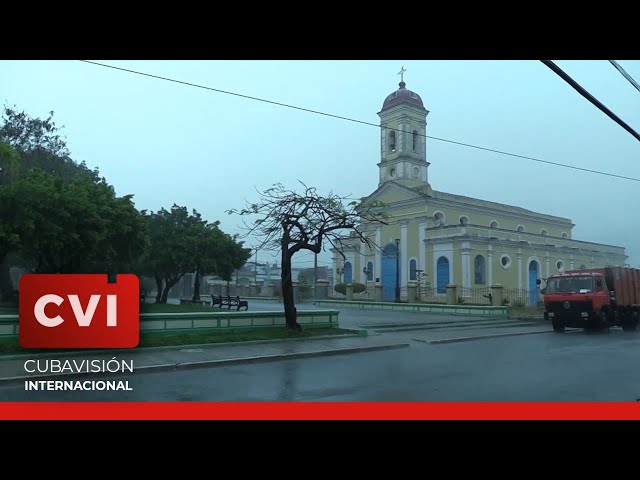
(194, 356)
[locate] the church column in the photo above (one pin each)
(592, 264)
(377, 272)
(519, 269)
(363, 261)
(466, 268)
(422, 226)
(351, 258)
(490, 264)
(404, 258)
(546, 258)
(571, 261)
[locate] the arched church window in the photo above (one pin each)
(478, 267)
(413, 269)
(392, 141)
(415, 140)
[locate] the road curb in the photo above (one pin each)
(210, 363)
(482, 337)
(60, 354)
(529, 318)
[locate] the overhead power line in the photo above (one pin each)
(362, 122)
(625, 74)
(590, 97)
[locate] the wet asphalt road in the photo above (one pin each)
(546, 367)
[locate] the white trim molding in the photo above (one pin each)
(422, 248)
(509, 262)
(378, 261)
(444, 217)
(404, 273)
(519, 268)
(490, 264)
(442, 250)
(465, 252)
(546, 258)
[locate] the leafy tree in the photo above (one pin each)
(172, 236)
(39, 144)
(295, 221)
(28, 143)
(183, 242)
(218, 253)
(79, 226)
(9, 158)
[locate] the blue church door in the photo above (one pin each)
(442, 274)
(533, 290)
(389, 273)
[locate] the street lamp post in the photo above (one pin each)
(339, 272)
(397, 270)
(366, 272)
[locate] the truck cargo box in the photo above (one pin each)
(624, 281)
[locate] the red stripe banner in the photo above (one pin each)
(318, 411)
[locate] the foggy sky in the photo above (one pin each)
(170, 143)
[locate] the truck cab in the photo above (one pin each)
(578, 300)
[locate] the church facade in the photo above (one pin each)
(434, 238)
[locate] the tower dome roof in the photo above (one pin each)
(402, 96)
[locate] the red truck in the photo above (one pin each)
(593, 299)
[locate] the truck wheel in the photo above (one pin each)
(630, 323)
(603, 323)
(558, 326)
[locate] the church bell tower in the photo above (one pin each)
(403, 122)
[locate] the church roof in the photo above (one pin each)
(402, 96)
(426, 193)
(493, 205)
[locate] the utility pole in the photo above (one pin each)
(255, 269)
(315, 277)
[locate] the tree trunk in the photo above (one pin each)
(6, 286)
(165, 292)
(290, 311)
(159, 288)
(196, 287)
(168, 285)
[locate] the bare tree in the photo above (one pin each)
(292, 221)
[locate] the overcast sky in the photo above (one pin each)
(170, 143)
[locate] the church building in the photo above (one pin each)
(448, 238)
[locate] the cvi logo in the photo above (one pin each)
(79, 311)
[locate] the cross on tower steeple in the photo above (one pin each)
(401, 73)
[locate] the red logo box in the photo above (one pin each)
(79, 311)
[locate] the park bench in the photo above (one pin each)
(229, 302)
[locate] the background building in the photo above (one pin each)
(437, 238)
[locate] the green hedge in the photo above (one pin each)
(357, 288)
